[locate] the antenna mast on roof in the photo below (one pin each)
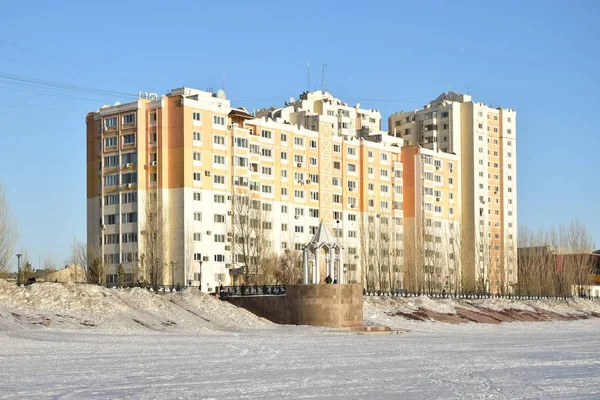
(308, 74)
(323, 85)
(223, 82)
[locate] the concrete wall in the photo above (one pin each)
(318, 305)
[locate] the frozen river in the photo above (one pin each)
(550, 360)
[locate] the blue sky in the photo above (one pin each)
(538, 57)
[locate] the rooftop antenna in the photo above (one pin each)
(223, 82)
(308, 72)
(323, 85)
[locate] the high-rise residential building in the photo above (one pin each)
(185, 189)
(171, 181)
(483, 140)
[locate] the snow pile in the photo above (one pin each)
(400, 312)
(76, 306)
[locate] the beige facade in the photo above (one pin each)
(187, 158)
(484, 140)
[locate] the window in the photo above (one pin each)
(313, 161)
(370, 170)
(314, 196)
(267, 207)
(219, 121)
(241, 142)
(284, 191)
(254, 149)
(111, 199)
(445, 114)
(219, 160)
(337, 148)
(267, 170)
(267, 189)
(219, 218)
(110, 142)
(298, 141)
(219, 140)
(352, 167)
(384, 188)
(197, 156)
(370, 155)
(219, 179)
(298, 229)
(266, 134)
(383, 157)
(313, 212)
(266, 153)
(371, 187)
(111, 180)
(337, 198)
(219, 258)
(283, 137)
(336, 165)
(129, 138)
(111, 161)
(197, 176)
(284, 155)
(299, 194)
(351, 151)
(129, 178)
(152, 138)
(219, 198)
(152, 177)
(219, 238)
(197, 236)
(111, 219)
(383, 173)
(110, 122)
(335, 182)
(129, 119)
(130, 237)
(128, 218)
(197, 216)
(197, 116)
(313, 144)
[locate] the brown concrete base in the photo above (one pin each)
(317, 305)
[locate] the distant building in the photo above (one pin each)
(70, 273)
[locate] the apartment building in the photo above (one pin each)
(170, 169)
(484, 140)
(431, 220)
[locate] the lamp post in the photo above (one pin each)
(19, 269)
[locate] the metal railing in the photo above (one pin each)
(453, 295)
(252, 290)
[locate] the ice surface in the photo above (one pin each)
(191, 346)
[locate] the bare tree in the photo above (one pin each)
(88, 258)
(290, 263)
(556, 261)
(8, 233)
(154, 242)
(250, 230)
(49, 266)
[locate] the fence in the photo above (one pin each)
(255, 290)
(443, 295)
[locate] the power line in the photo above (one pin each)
(51, 70)
(77, 65)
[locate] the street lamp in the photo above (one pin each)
(18, 269)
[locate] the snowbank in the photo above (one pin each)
(78, 306)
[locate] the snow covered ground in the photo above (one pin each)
(189, 346)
